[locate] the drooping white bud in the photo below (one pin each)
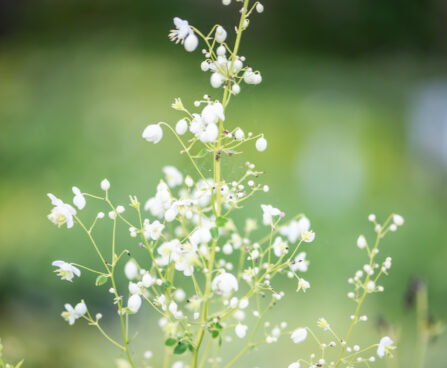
(181, 127)
(217, 80)
(191, 42)
(153, 133)
(105, 185)
(221, 34)
(261, 144)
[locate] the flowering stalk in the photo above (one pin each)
(186, 231)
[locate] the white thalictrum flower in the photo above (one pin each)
(184, 34)
(299, 335)
(181, 127)
(261, 144)
(225, 284)
(279, 247)
(131, 270)
(79, 199)
(105, 185)
(134, 303)
(300, 263)
(384, 346)
(295, 228)
(240, 330)
(72, 314)
(303, 285)
(173, 176)
(236, 89)
(212, 113)
(69, 314)
(153, 230)
(308, 236)
(61, 213)
(66, 271)
(268, 213)
(294, 365)
(153, 133)
(259, 7)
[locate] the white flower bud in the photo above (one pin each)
(105, 185)
(241, 330)
(191, 42)
(221, 50)
(131, 270)
(221, 34)
(181, 127)
(372, 217)
(361, 242)
(398, 220)
(259, 7)
(134, 303)
(236, 89)
(239, 134)
(216, 80)
(205, 66)
(153, 133)
(226, 2)
(261, 144)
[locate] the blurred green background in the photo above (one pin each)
(353, 104)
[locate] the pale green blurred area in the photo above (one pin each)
(72, 113)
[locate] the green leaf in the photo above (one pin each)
(214, 232)
(20, 363)
(170, 341)
(167, 284)
(180, 348)
(191, 348)
(101, 280)
(214, 333)
(221, 221)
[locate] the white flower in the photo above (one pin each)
(134, 288)
(205, 66)
(66, 271)
(79, 199)
(303, 285)
(153, 133)
(184, 34)
(212, 113)
(300, 263)
(260, 9)
(299, 335)
(69, 314)
(240, 330)
(225, 284)
(181, 127)
(179, 295)
(384, 343)
(131, 270)
(295, 228)
(173, 176)
(72, 314)
(294, 365)
(308, 236)
(134, 303)
(398, 220)
(268, 213)
(154, 230)
(105, 185)
(280, 247)
(147, 280)
(361, 242)
(148, 354)
(61, 213)
(221, 34)
(261, 144)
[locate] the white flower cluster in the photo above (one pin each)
(184, 234)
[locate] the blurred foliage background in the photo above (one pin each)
(353, 103)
